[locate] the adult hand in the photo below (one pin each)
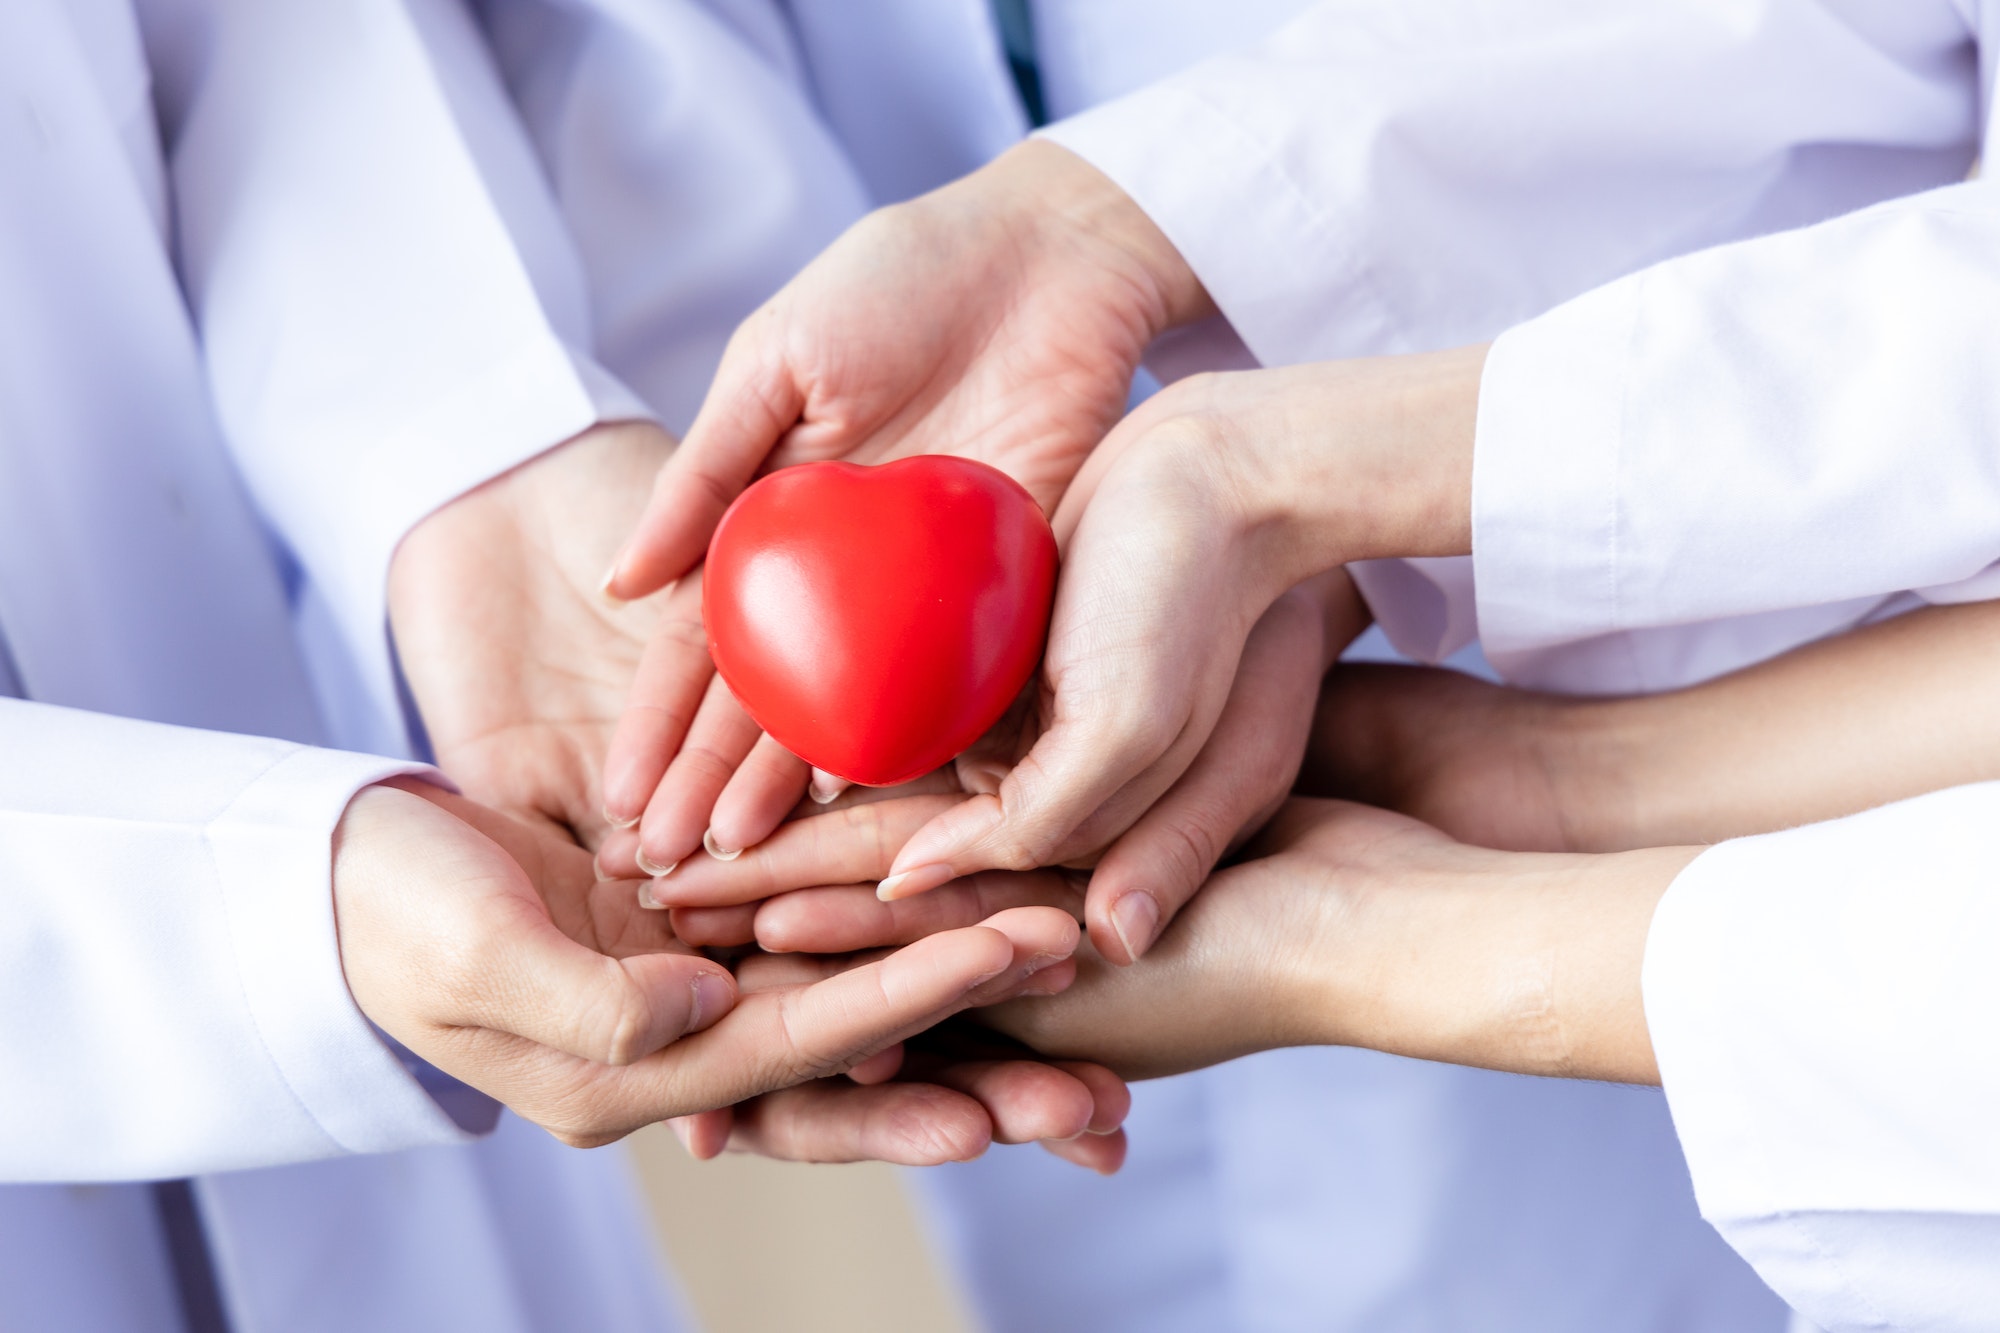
(1202, 507)
(1001, 318)
(1490, 765)
(1242, 774)
(489, 948)
(1358, 927)
(518, 666)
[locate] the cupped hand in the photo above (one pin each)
(1001, 318)
(518, 667)
(1200, 509)
(1242, 773)
(490, 949)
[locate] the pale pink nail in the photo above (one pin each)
(913, 882)
(716, 849)
(1135, 917)
(653, 868)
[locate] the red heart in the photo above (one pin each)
(877, 620)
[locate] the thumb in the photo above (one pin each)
(754, 399)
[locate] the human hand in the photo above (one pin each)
(1242, 774)
(1359, 927)
(489, 948)
(1488, 764)
(1186, 524)
(1001, 318)
(517, 666)
(1875, 715)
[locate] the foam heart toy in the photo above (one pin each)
(877, 620)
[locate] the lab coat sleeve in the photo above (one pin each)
(168, 962)
(1381, 177)
(1802, 420)
(389, 304)
(1820, 1002)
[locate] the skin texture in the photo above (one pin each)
(520, 669)
(488, 947)
(1192, 518)
(1868, 717)
(1001, 317)
(1352, 925)
(1344, 925)
(1234, 784)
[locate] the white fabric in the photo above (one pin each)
(174, 1000)
(1383, 177)
(1730, 434)
(1820, 1003)
(1308, 1189)
(1682, 472)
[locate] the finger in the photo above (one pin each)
(1238, 780)
(778, 1038)
(753, 400)
(1073, 770)
(1111, 1099)
(617, 857)
(1102, 1153)
(910, 1124)
(879, 1067)
(521, 976)
(673, 676)
(676, 818)
(757, 797)
(849, 917)
(841, 847)
(1025, 1099)
(706, 1133)
(710, 927)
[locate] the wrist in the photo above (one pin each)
(1523, 962)
(1058, 197)
(1357, 460)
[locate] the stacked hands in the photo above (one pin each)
(658, 912)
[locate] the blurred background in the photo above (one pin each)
(761, 1246)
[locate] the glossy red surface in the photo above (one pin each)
(877, 620)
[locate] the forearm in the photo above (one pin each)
(1883, 713)
(1524, 962)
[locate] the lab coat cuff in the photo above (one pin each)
(272, 849)
(1545, 475)
(1423, 604)
(1278, 262)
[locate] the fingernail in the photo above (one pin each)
(1135, 917)
(604, 585)
(647, 899)
(826, 787)
(633, 822)
(679, 1125)
(597, 868)
(1040, 961)
(717, 850)
(711, 993)
(913, 882)
(653, 868)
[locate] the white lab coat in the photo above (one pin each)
(1323, 1189)
(173, 998)
(1684, 470)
